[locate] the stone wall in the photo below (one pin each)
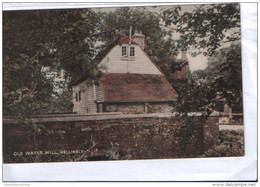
(112, 137)
(126, 108)
(160, 107)
(140, 108)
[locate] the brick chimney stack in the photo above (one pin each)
(138, 37)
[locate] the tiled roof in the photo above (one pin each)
(119, 87)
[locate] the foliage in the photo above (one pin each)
(199, 74)
(194, 98)
(24, 93)
(32, 40)
(223, 75)
(231, 143)
(113, 152)
(206, 27)
(61, 103)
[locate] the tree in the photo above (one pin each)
(207, 27)
(223, 75)
(32, 40)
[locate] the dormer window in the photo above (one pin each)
(132, 51)
(123, 50)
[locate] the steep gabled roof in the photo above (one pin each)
(121, 39)
(124, 87)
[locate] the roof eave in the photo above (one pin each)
(141, 101)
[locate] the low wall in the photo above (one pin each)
(126, 108)
(103, 137)
(137, 108)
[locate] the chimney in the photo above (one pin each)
(138, 37)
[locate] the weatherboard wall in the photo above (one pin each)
(87, 104)
(140, 63)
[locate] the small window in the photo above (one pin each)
(77, 97)
(132, 51)
(123, 50)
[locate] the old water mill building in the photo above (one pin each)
(131, 82)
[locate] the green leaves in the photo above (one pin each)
(207, 26)
(33, 40)
(231, 143)
(223, 75)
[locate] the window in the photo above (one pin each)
(128, 53)
(132, 51)
(123, 50)
(77, 97)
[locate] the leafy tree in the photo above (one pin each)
(32, 40)
(198, 74)
(223, 75)
(207, 27)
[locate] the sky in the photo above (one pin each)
(196, 63)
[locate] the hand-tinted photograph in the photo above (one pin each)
(123, 83)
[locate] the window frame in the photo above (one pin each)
(124, 51)
(132, 51)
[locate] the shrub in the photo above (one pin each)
(230, 143)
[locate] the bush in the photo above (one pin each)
(230, 143)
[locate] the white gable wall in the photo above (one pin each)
(140, 63)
